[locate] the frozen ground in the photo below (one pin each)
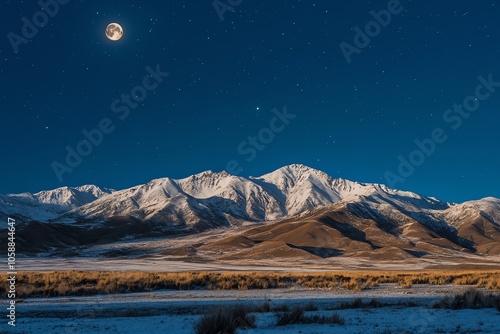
(177, 311)
(170, 264)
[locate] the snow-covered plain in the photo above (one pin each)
(168, 264)
(177, 312)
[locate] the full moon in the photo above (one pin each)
(114, 31)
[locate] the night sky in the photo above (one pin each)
(228, 79)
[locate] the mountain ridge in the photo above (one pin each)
(306, 206)
(285, 192)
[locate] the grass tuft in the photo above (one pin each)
(297, 316)
(470, 299)
(225, 321)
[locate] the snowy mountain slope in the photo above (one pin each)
(250, 200)
(47, 205)
(25, 208)
(304, 188)
(399, 207)
(283, 193)
(299, 188)
(159, 201)
(457, 215)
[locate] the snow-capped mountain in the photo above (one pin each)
(47, 205)
(286, 192)
(221, 199)
(211, 200)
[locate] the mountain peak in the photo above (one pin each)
(207, 174)
(92, 188)
(297, 168)
(293, 171)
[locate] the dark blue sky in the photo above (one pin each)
(352, 120)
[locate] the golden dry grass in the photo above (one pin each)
(78, 283)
